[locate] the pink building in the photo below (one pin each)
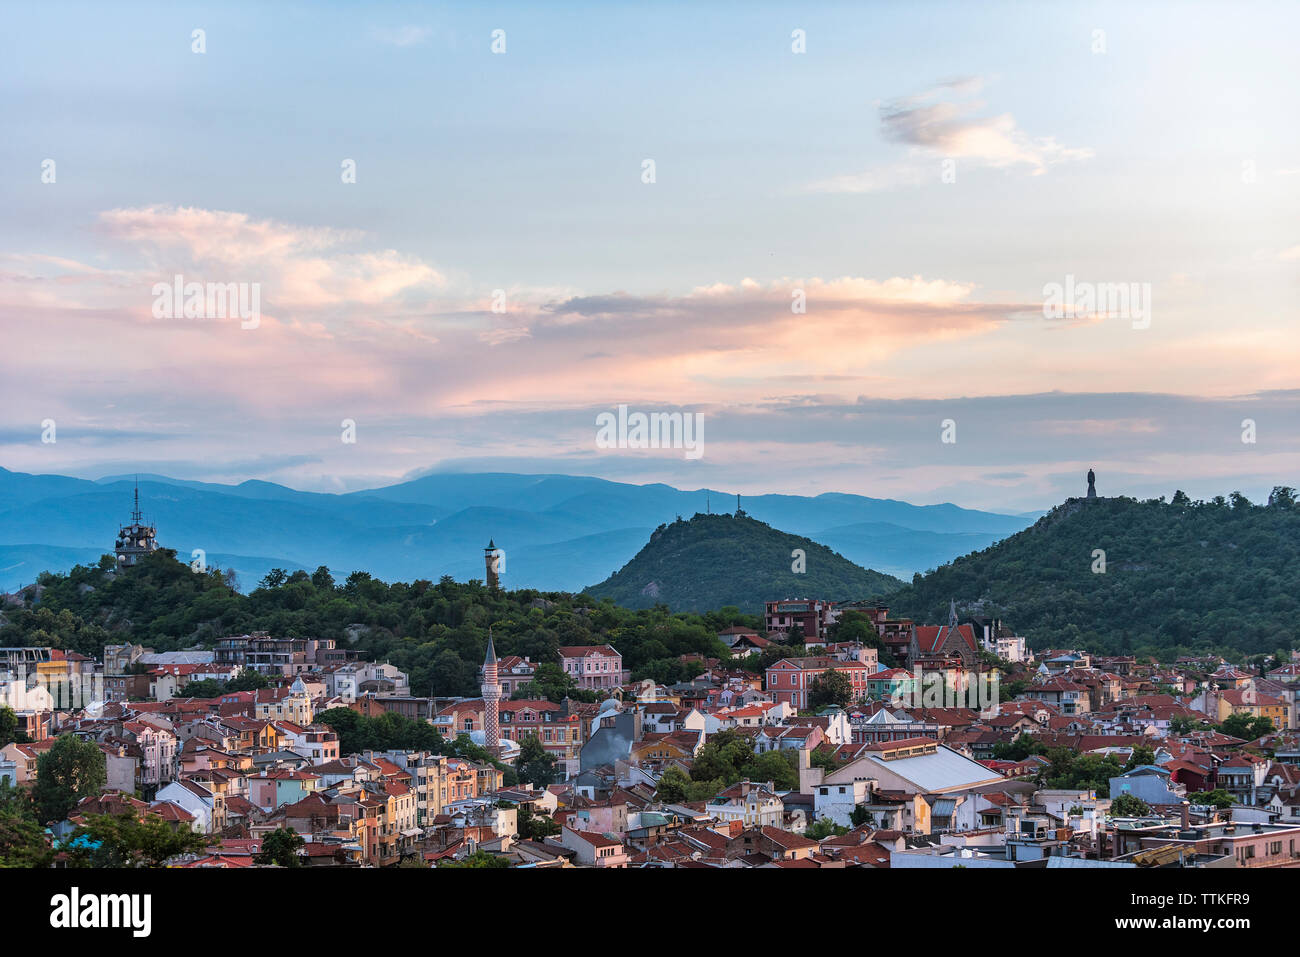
(157, 752)
(594, 850)
(592, 666)
(790, 680)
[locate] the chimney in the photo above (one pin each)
(1187, 815)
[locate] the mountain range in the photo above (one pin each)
(558, 532)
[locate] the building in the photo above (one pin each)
(593, 666)
(513, 672)
(274, 656)
(491, 698)
(753, 805)
(809, 617)
(936, 782)
(492, 563)
(1218, 844)
(790, 680)
(933, 643)
(293, 705)
(136, 540)
(594, 850)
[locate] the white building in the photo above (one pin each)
(195, 798)
(837, 801)
(754, 805)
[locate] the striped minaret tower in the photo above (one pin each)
(491, 696)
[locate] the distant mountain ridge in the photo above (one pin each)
(559, 532)
(712, 561)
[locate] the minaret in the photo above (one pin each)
(492, 561)
(491, 697)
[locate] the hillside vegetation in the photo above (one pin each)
(1220, 575)
(436, 632)
(711, 561)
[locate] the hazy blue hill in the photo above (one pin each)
(808, 515)
(897, 550)
(439, 523)
(567, 565)
(20, 564)
(711, 561)
(20, 488)
(457, 490)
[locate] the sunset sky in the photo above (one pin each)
(1163, 150)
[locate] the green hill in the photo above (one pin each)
(1221, 575)
(713, 561)
(435, 631)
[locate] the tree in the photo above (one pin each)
(22, 842)
(830, 688)
(280, 847)
(322, 580)
(1129, 805)
(1282, 496)
(672, 785)
(125, 840)
(534, 827)
(9, 733)
(71, 770)
(247, 680)
(536, 765)
(550, 683)
(478, 859)
(1141, 755)
(1218, 798)
(1069, 770)
(823, 828)
(206, 688)
(1018, 750)
(274, 578)
(1179, 725)
(860, 815)
(722, 757)
(775, 766)
(1245, 726)
(823, 757)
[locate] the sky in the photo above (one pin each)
(876, 248)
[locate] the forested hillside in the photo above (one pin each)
(435, 631)
(711, 561)
(1219, 575)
